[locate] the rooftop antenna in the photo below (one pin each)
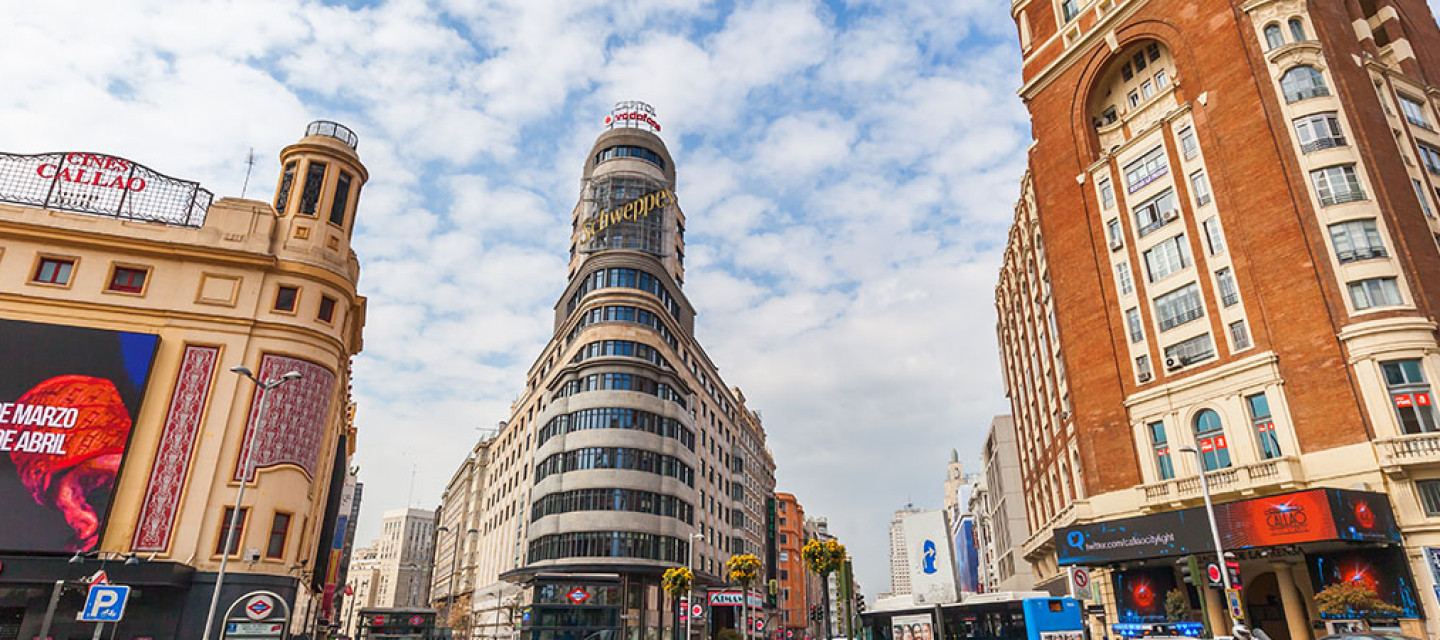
(410, 497)
(249, 164)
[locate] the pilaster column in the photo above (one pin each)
(1217, 611)
(1296, 617)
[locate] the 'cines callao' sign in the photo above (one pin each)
(637, 209)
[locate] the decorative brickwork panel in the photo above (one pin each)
(293, 427)
(176, 448)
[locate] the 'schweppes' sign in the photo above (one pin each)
(101, 184)
(632, 114)
(637, 209)
(68, 399)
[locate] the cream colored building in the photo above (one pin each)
(128, 295)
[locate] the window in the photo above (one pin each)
(1410, 394)
(310, 193)
(1139, 61)
(1318, 131)
(1107, 194)
(1302, 83)
(279, 531)
(1424, 201)
(1213, 237)
(1210, 436)
(327, 309)
(54, 271)
(1273, 37)
(1163, 465)
(341, 199)
(1356, 240)
(1239, 335)
(1147, 90)
(1156, 212)
(282, 195)
(1134, 98)
(225, 531)
(1142, 367)
(1179, 307)
(1167, 257)
(1201, 187)
(1132, 320)
(285, 298)
(1194, 350)
(1188, 145)
(1126, 73)
(1153, 50)
(1145, 169)
(1297, 30)
(1374, 292)
(1122, 270)
(1117, 237)
(1431, 157)
(1337, 184)
(1429, 491)
(1069, 9)
(1414, 111)
(128, 280)
(1259, 407)
(1162, 79)
(1225, 281)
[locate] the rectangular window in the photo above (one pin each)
(1116, 234)
(1374, 292)
(1337, 184)
(1225, 282)
(1410, 394)
(1132, 320)
(1163, 464)
(1156, 213)
(1414, 111)
(1188, 145)
(1153, 50)
(1126, 73)
(1213, 236)
(1134, 99)
(1424, 201)
(327, 309)
(53, 271)
(1239, 335)
(1122, 271)
(1069, 9)
(310, 193)
(1319, 131)
(1162, 79)
(1194, 350)
(128, 280)
(1139, 61)
(1179, 307)
(279, 531)
(1356, 240)
(282, 195)
(285, 298)
(1430, 156)
(225, 531)
(1142, 367)
(1167, 257)
(1259, 407)
(1147, 89)
(1145, 169)
(341, 199)
(1429, 491)
(1201, 186)
(1107, 193)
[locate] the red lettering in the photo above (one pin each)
(74, 158)
(92, 160)
(136, 184)
(41, 170)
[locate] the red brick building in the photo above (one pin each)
(793, 580)
(1227, 241)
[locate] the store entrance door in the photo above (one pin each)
(1263, 605)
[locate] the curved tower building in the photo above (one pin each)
(626, 447)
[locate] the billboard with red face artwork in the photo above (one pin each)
(1140, 593)
(69, 397)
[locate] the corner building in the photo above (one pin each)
(1226, 240)
(626, 446)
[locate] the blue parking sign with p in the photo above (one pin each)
(106, 603)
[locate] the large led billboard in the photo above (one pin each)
(68, 399)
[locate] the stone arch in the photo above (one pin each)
(1099, 61)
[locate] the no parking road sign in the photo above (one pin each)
(105, 603)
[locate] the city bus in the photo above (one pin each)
(998, 616)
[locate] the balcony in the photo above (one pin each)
(1283, 472)
(1401, 452)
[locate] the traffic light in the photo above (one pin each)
(815, 614)
(1186, 571)
(859, 604)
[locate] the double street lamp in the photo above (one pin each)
(1214, 531)
(454, 558)
(263, 388)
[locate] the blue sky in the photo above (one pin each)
(848, 170)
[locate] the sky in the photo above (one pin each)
(848, 172)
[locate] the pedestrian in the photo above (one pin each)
(1259, 633)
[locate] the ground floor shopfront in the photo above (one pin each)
(1286, 548)
(620, 606)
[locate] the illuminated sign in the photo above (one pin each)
(632, 114)
(637, 209)
(101, 184)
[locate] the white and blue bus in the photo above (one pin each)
(1000, 616)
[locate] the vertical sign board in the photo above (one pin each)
(932, 562)
(1080, 587)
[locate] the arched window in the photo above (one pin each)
(1273, 37)
(1210, 438)
(1303, 82)
(1297, 30)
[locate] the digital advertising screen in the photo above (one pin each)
(69, 397)
(1382, 570)
(1140, 593)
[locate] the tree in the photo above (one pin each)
(823, 559)
(744, 570)
(1177, 605)
(1352, 599)
(676, 582)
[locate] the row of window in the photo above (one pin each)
(613, 500)
(609, 544)
(310, 192)
(615, 458)
(621, 382)
(633, 315)
(1210, 437)
(627, 151)
(627, 278)
(616, 418)
(626, 348)
(1275, 38)
(274, 543)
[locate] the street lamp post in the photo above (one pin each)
(264, 388)
(1214, 531)
(690, 597)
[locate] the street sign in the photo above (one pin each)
(578, 596)
(1237, 610)
(259, 607)
(759, 624)
(105, 603)
(697, 611)
(254, 629)
(1080, 587)
(1212, 571)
